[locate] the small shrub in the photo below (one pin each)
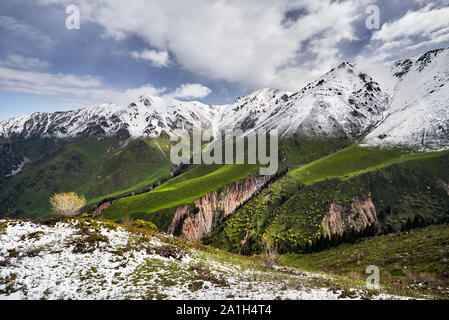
(88, 243)
(9, 283)
(3, 226)
(13, 253)
(31, 253)
(195, 286)
(147, 225)
(348, 293)
(4, 263)
(167, 252)
(67, 204)
(138, 226)
(204, 273)
(33, 235)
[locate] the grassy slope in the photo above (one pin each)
(13, 152)
(138, 165)
(183, 190)
(416, 255)
(289, 212)
(355, 160)
(201, 179)
(91, 167)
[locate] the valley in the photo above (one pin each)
(363, 159)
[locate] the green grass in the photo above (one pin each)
(101, 168)
(354, 161)
(136, 166)
(95, 168)
(416, 255)
(201, 179)
(289, 213)
(185, 188)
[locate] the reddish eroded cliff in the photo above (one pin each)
(359, 215)
(209, 210)
(104, 206)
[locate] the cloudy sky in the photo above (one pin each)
(207, 50)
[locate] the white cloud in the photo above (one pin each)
(190, 91)
(22, 62)
(156, 58)
(411, 34)
(252, 43)
(422, 23)
(47, 83)
(23, 29)
(244, 42)
(88, 89)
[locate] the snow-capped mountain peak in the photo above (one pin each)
(149, 116)
(418, 115)
(407, 106)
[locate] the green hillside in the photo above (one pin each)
(355, 160)
(201, 179)
(13, 152)
(416, 256)
(289, 213)
(182, 190)
(93, 167)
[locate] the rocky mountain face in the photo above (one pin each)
(418, 115)
(343, 103)
(360, 215)
(150, 116)
(410, 109)
(195, 223)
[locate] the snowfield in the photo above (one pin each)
(89, 259)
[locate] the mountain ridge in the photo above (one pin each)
(345, 102)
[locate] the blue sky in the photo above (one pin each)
(212, 51)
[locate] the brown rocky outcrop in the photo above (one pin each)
(358, 216)
(103, 207)
(195, 223)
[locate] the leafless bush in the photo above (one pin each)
(67, 204)
(167, 252)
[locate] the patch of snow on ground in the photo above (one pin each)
(39, 262)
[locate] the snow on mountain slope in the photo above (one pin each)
(249, 112)
(407, 106)
(418, 115)
(149, 116)
(88, 259)
(344, 102)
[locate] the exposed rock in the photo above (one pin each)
(360, 215)
(104, 206)
(123, 134)
(195, 223)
